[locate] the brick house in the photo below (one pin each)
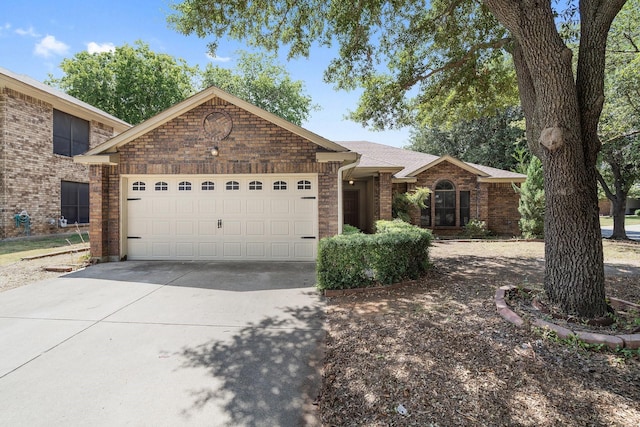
(215, 177)
(460, 191)
(40, 130)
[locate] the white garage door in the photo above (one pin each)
(218, 217)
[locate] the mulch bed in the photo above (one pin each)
(437, 351)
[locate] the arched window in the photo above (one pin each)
(232, 185)
(208, 186)
(162, 186)
(184, 186)
(445, 204)
(280, 185)
(304, 185)
(255, 185)
(138, 186)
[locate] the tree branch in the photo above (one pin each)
(626, 135)
(604, 186)
(495, 44)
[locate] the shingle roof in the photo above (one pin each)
(413, 162)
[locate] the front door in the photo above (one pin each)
(351, 207)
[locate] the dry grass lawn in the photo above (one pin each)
(438, 347)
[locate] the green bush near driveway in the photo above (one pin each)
(397, 251)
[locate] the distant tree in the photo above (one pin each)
(531, 205)
(260, 80)
(490, 141)
(619, 126)
(132, 82)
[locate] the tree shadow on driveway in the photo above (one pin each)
(269, 371)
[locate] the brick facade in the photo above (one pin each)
(180, 146)
(31, 173)
(494, 203)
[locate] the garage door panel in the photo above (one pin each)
(232, 228)
(138, 227)
(255, 228)
(280, 250)
(185, 207)
(232, 206)
(206, 206)
(162, 207)
(185, 250)
(256, 206)
(232, 249)
(256, 250)
(279, 228)
(161, 250)
(160, 228)
(207, 228)
(207, 250)
(303, 228)
(217, 221)
(304, 206)
(279, 206)
(185, 228)
(304, 249)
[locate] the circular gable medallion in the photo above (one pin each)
(217, 125)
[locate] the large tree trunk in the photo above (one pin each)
(562, 116)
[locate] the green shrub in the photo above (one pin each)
(637, 212)
(402, 203)
(397, 251)
(476, 228)
(350, 229)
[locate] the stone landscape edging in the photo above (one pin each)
(629, 341)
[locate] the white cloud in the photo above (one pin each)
(49, 46)
(93, 47)
(218, 58)
(5, 27)
(28, 32)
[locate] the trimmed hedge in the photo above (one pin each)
(396, 252)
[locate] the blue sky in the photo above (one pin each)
(35, 36)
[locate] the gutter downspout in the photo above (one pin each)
(340, 207)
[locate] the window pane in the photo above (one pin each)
(61, 145)
(79, 135)
(61, 133)
(445, 185)
(208, 186)
(68, 194)
(74, 202)
(465, 207)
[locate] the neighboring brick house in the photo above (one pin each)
(460, 191)
(215, 177)
(40, 130)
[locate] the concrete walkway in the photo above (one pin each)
(163, 344)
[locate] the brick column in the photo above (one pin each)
(385, 189)
(98, 211)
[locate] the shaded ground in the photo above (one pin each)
(438, 348)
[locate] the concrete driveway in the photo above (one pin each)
(163, 344)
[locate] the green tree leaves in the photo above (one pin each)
(260, 80)
(132, 83)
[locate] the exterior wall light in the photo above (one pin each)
(215, 152)
(350, 182)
